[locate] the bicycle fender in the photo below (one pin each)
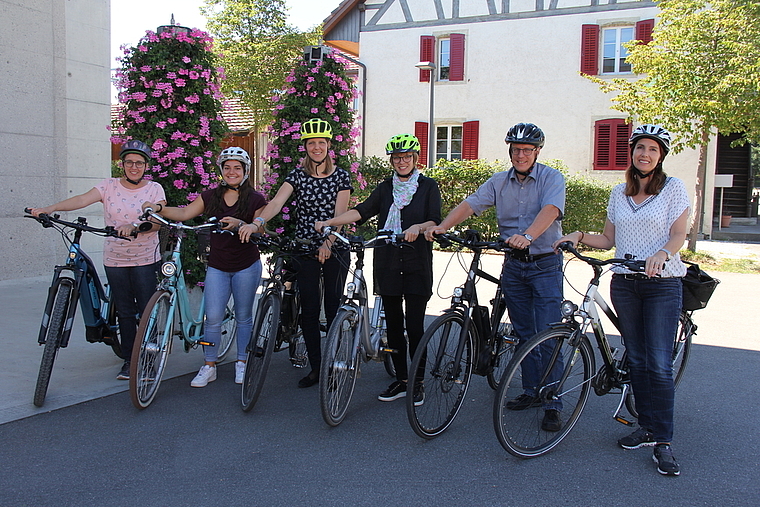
(563, 326)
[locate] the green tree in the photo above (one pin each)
(700, 76)
(169, 87)
(258, 50)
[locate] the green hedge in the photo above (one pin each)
(585, 207)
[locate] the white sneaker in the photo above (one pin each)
(205, 375)
(239, 372)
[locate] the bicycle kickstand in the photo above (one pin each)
(619, 418)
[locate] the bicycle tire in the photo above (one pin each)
(260, 350)
(229, 332)
(519, 430)
(444, 381)
(681, 354)
(340, 364)
(504, 346)
(53, 336)
(151, 349)
(113, 327)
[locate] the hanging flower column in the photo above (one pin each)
(315, 90)
(169, 86)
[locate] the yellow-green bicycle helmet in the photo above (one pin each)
(315, 128)
(402, 143)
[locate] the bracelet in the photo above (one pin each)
(162, 207)
(668, 255)
(583, 235)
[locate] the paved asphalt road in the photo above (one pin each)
(196, 447)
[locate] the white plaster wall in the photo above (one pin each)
(54, 109)
(517, 70)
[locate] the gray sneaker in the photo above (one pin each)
(666, 462)
(639, 438)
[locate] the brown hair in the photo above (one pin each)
(214, 206)
(654, 183)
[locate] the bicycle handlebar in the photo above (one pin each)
(212, 223)
(386, 236)
(629, 262)
(81, 224)
(472, 241)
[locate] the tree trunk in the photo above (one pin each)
(699, 201)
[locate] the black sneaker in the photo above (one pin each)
(124, 373)
(524, 401)
(395, 391)
(639, 438)
(419, 394)
(551, 421)
(666, 463)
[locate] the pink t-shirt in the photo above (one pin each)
(123, 206)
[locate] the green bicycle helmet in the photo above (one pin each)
(315, 128)
(402, 143)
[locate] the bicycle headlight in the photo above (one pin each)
(568, 308)
(350, 289)
(457, 292)
(168, 268)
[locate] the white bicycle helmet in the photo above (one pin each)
(654, 132)
(235, 153)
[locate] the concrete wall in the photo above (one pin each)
(54, 110)
(518, 68)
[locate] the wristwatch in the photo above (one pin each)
(528, 237)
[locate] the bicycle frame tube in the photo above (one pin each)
(591, 300)
(188, 327)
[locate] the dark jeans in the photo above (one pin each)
(648, 311)
(131, 289)
(395, 319)
(332, 276)
(533, 293)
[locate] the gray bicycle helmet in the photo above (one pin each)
(135, 146)
(235, 153)
(654, 132)
(526, 133)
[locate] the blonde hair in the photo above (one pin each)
(310, 167)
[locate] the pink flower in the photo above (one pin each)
(186, 59)
(161, 124)
(314, 110)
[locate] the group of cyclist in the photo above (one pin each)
(646, 217)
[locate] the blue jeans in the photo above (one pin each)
(533, 293)
(219, 285)
(131, 289)
(332, 277)
(648, 311)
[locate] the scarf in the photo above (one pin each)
(403, 191)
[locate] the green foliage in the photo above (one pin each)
(585, 204)
(320, 90)
(169, 86)
(373, 170)
(258, 49)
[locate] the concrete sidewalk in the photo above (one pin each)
(85, 371)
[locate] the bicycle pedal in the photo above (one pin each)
(206, 344)
(623, 420)
(389, 351)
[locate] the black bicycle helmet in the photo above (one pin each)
(135, 146)
(526, 133)
(654, 132)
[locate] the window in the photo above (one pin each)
(611, 144)
(611, 43)
(453, 142)
(614, 52)
(448, 55)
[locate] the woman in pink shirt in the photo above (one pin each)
(131, 266)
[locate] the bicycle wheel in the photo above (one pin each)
(567, 365)
(504, 347)
(151, 348)
(681, 352)
(114, 340)
(55, 330)
(340, 363)
(260, 349)
(443, 377)
(229, 332)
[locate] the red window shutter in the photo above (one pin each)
(611, 144)
(644, 30)
(421, 132)
(456, 64)
(590, 49)
(470, 136)
(427, 54)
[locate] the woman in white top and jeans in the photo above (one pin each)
(647, 217)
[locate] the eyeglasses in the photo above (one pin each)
(130, 163)
(399, 158)
(526, 151)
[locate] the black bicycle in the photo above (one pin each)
(568, 372)
(74, 281)
(466, 339)
(277, 323)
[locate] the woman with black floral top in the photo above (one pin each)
(321, 192)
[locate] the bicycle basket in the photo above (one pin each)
(698, 287)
